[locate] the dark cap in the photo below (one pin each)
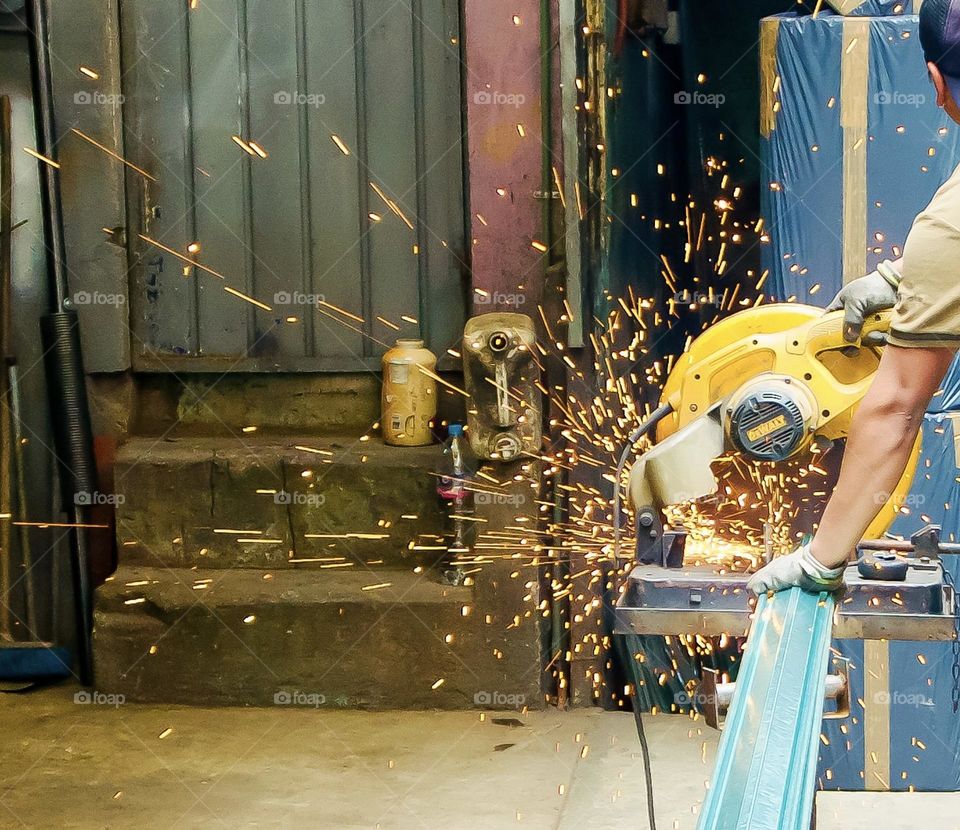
(940, 38)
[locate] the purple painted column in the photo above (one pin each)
(504, 139)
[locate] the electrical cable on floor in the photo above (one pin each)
(645, 752)
(645, 426)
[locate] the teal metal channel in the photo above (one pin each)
(765, 773)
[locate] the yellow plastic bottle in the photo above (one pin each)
(409, 400)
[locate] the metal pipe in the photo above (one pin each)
(904, 546)
(47, 146)
(23, 513)
(834, 686)
(6, 269)
(62, 354)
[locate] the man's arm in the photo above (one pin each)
(878, 447)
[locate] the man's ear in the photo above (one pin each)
(938, 83)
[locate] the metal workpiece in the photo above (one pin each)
(778, 707)
(705, 601)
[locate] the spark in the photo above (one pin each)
(42, 158)
(113, 154)
(247, 298)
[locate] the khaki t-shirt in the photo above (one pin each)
(928, 305)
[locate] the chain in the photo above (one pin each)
(955, 668)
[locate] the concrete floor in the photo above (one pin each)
(96, 765)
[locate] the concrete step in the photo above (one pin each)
(275, 501)
(348, 638)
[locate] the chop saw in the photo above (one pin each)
(773, 383)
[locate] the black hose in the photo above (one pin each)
(645, 752)
(645, 426)
(72, 433)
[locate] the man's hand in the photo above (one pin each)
(797, 569)
(861, 298)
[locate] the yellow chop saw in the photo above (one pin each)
(771, 382)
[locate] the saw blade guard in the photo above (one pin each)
(678, 468)
(786, 340)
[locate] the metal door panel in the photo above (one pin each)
(357, 105)
(337, 249)
(389, 87)
(444, 253)
(279, 215)
(155, 65)
(218, 65)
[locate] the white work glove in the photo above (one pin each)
(863, 297)
(797, 569)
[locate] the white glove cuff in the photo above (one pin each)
(816, 570)
(886, 270)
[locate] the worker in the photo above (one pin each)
(923, 288)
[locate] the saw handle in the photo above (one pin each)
(828, 334)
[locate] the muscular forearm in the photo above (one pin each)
(881, 438)
(878, 448)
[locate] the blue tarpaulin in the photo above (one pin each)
(854, 147)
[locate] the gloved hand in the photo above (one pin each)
(861, 298)
(796, 569)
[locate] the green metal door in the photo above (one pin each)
(301, 200)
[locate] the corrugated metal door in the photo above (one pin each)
(307, 156)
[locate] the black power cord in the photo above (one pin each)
(645, 426)
(645, 751)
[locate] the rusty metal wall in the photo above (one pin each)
(356, 105)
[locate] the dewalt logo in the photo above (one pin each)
(764, 429)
